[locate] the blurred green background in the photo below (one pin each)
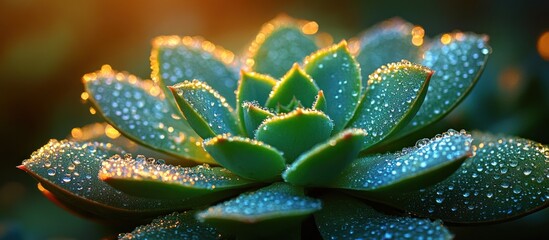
(46, 46)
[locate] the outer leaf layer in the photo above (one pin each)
(153, 179)
(280, 43)
(429, 162)
(458, 60)
(175, 59)
(343, 217)
(68, 170)
(245, 157)
(389, 41)
(138, 110)
(295, 132)
(173, 226)
(394, 94)
(325, 161)
(263, 213)
(505, 179)
(206, 111)
(336, 73)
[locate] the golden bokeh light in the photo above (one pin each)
(446, 39)
(92, 111)
(111, 132)
(77, 133)
(84, 96)
(417, 35)
(543, 45)
(310, 28)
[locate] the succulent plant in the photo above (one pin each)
(300, 134)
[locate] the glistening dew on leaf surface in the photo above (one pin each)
(292, 142)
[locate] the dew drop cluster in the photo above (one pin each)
(142, 168)
(278, 199)
(506, 177)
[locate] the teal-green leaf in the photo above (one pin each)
(320, 102)
(68, 170)
(386, 42)
(429, 162)
(394, 94)
(325, 161)
(458, 63)
(336, 73)
(505, 179)
(252, 87)
(296, 84)
(149, 178)
(176, 59)
(206, 111)
(273, 210)
(343, 217)
(254, 115)
(246, 157)
(295, 132)
(140, 111)
(279, 44)
(173, 226)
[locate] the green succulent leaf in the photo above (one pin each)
(279, 44)
(295, 132)
(269, 211)
(253, 87)
(393, 96)
(248, 158)
(429, 162)
(336, 73)
(506, 178)
(206, 111)
(386, 42)
(176, 59)
(161, 181)
(68, 170)
(323, 163)
(320, 102)
(173, 226)
(458, 60)
(141, 112)
(343, 217)
(296, 84)
(254, 115)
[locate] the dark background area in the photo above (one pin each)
(46, 47)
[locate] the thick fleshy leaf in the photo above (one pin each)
(206, 111)
(139, 110)
(176, 59)
(325, 161)
(337, 73)
(386, 42)
(254, 115)
(295, 132)
(320, 102)
(270, 211)
(174, 226)
(506, 178)
(280, 43)
(149, 178)
(253, 87)
(104, 132)
(458, 60)
(393, 96)
(68, 170)
(296, 84)
(246, 157)
(343, 217)
(429, 162)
